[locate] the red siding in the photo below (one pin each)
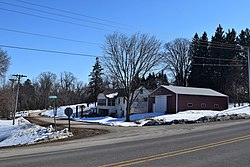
(183, 100)
(197, 101)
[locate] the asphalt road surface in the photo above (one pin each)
(219, 145)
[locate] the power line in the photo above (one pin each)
(48, 36)
(210, 58)
(221, 45)
(52, 19)
(220, 65)
(61, 15)
(69, 12)
(49, 51)
(218, 47)
(218, 43)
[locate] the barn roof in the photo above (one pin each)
(193, 91)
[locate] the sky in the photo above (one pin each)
(94, 19)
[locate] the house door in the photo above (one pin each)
(160, 104)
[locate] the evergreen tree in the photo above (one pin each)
(217, 68)
(204, 53)
(194, 78)
(96, 81)
(27, 96)
(153, 81)
(241, 75)
(199, 52)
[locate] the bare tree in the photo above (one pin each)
(6, 100)
(130, 58)
(178, 60)
(67, 87)
(4, 62)
(46, 82)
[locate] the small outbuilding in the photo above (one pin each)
(172, 99)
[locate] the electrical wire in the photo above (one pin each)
(56, 14)
(70, 12)
(220, 65)
(218, 47)
(48, 36)
(52, 19)
(210, 58)
(49, 51)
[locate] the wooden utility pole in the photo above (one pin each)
(18, 76)
(12, 96)
(248, 58)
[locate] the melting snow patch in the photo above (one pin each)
(27, 133)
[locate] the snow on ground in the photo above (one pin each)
(143, 119)
(137, 119)
(60, 110)
(23, 132)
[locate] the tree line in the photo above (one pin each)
(221, 63)
(139, 60)
(35, 94)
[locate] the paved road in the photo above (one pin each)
(220, 144)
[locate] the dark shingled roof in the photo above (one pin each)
(121, 92)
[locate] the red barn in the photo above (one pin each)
(172, 99)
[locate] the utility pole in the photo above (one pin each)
(18, 76)
(12, 94)
(248, 58)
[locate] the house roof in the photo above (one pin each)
(114, 93)
(193, 91)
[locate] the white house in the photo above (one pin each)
(113, 102)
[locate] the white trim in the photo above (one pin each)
(177, 100)
(161, 95)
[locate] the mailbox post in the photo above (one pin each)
(53, 100)
(68, 111)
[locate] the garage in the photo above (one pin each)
(160, 105)
(172, 99)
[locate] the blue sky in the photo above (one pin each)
(166, 19)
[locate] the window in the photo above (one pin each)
(141, 91)
(203, 105)
(119, 100)
(101, 102)
(216, 105)
(145, 99)
(124, 100)
(111, 102)
(189, 104)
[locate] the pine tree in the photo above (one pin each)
(27, 96)
(96, 81)
(217, 54)
(193, 78)
(204, 53)
(242, 72)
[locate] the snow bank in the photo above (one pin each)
(60, 110)
(23, 132)
(242, 112)
(137, 120)
(191, 116)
